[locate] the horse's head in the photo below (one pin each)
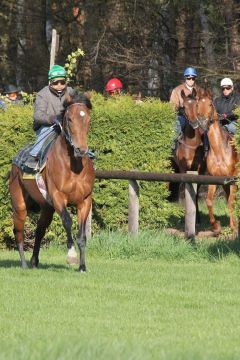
(199, 108)
(205, 109)
(76, 122)
(189, 105)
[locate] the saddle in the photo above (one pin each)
(29, 164)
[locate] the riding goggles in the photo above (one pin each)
(191, 78)
(226, 87)
(56, 82)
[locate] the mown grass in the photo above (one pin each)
(153, 296)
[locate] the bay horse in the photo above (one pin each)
(69, 177)
(189, 154)
(222, 159)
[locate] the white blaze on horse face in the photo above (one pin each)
(203, 100)
(190, 101)
(82, 113)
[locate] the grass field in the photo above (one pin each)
(155, 296)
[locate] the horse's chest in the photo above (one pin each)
(75, 190)
(219, 166)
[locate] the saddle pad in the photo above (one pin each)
(40, 183)
(42, 187)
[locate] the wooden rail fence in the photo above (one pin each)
(191, 179)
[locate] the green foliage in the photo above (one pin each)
(125, 136)
(28, 98)
(71, 64)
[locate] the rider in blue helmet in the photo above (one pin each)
(190, 75)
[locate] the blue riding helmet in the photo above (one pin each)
(190, 71)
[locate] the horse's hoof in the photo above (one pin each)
(216, 227)
(34, 262)
(82, 268)
(72, 260)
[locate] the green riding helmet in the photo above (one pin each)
(56, 71)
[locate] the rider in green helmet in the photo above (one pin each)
(48, 108)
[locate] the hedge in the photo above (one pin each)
(125, 136)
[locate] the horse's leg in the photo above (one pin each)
(19, 215)
(67, 224)
(230, 191)
(60, 205)
(82, 213)
(43, 223)
(215, 224)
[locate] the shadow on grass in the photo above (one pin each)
(17, 264)
(223, 248)
(204, 222)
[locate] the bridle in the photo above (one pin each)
(65, 130)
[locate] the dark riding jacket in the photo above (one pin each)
(48, 105)
(225, 105)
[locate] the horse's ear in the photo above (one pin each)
(194, 93)
(183, 95)
(88, 94)
(207, 90)
(68, 97)
(209, 93)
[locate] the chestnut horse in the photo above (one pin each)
(69, 177)
(189, 154)
(222, 157)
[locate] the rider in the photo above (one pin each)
(48, 107)
(226, 103)
(114, 87)
(190, 75)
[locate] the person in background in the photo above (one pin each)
(190, 75)
(48, 108)
(225, 105)
(114, 87)
(12, 94)
(11, 97)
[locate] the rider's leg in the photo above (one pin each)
(205, 143)
(41, 133)
(180, 125)
(231, 127)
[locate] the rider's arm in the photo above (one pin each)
(40, 116)
(174, 99)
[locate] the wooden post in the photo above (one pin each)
(133, 206)
(89, 225)
(54, 47)
(190, 208)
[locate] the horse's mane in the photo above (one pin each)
(76, 97)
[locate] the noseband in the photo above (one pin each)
(67, 134)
